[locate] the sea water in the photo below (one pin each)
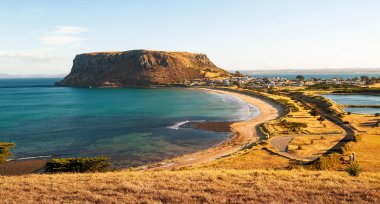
(356, 99)
(131, 126)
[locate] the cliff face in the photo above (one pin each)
(139, 68)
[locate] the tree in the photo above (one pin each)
(238, 74)
(4, 150)
(300, 78)
(321, 119)
(313, 112)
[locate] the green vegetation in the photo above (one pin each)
(4, 150)
(354, 169)
(292, 126)
(357, 138)
(346, 148)
(80, 165)
(300, 78)
(329, 162)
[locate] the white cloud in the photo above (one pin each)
(60, 40)
(33, 55)
(64, 35)
(69, 30)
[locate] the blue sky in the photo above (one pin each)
(43, 37)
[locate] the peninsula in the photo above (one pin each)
(140, 68)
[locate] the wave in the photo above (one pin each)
(26, 158)
(179, 124)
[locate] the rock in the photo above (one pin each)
(139, 68)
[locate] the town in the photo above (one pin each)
(247, 81)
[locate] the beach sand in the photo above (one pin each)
(21, 167)
(243, 133)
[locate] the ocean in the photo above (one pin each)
(131, 126)
(356, 99)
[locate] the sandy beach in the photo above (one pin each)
(243, 133)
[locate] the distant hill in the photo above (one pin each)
(139, 68)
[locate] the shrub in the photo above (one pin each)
(357, 138)
(321, 119)
(346, 148)
(377, 124)
(377, 114)
(348, 113)
(314, 112)
(4, 150)
(299, 147)
(354, 169)
(329, 162)
(80, 165)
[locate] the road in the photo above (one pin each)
(281, 143)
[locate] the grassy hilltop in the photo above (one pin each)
(193, 186)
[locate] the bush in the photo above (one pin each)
(377, 114)
(354, 169)
(329, 162)
(80, 165)
(4, 150)
(357, 138)
(346, 148)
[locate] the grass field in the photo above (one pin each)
(202, 186)
(256, 157)
(308, 146)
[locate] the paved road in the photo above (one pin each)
(281, 143)
(349, 133)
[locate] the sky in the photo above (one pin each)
(43, 37)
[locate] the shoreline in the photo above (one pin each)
(243, 133)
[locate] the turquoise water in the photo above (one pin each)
(357, 100)
(132, 126)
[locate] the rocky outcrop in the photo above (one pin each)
(139, 68)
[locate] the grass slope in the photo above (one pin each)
(196, 186)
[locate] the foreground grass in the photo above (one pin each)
(196, 186)
(256, 157)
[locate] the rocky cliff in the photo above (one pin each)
(139, 68)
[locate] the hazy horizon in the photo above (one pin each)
(42, 37)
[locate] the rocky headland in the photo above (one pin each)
(140, 68)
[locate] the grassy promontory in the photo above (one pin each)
(193, 186)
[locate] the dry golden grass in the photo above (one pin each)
(206, 186)
(312, 146)
(364, 123)
(368, 148)
(301, 115)
(367, 152)
(253, 158)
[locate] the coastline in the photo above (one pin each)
(243, 133)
